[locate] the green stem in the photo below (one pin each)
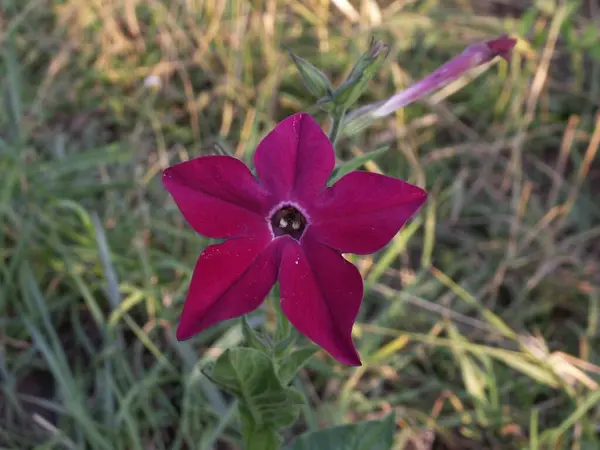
(336, 125)
(255, 437)
(263, 440)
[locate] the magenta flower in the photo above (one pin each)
(287, 226)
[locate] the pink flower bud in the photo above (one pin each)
(472, 56)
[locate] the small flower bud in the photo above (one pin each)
(363, 71)
(472, 56)
(314, 80)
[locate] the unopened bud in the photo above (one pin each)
(363, 71)
(472, 56)
(314, 80)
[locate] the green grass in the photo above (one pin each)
(480, 320)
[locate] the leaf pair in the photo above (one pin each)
(267, 404)
(250, 375)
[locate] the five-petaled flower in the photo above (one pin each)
(286, 225)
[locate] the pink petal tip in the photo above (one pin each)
(502, 46)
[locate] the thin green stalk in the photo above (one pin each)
(336, 126)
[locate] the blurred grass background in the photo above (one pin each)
(480, 320)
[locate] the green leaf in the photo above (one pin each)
(355, 163)
(283, 327)
(252, 338)
(296, 361)
(12, 99)
(283, 347)
(250, 375)
(116, 153)
(368, 435)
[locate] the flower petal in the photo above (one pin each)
(229, 280)
(295, 160)
(363, 211)
(218, 196)
(321, 293)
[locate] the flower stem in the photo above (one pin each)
(337, 119)
(256, 437)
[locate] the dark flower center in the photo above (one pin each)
(288, 220)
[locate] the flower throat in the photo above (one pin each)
(288, 221)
